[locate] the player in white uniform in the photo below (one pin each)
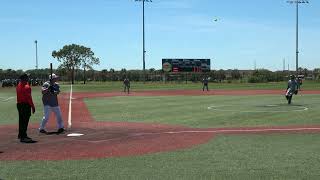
(292, 88)
(50, 91)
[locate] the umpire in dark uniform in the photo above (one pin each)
(25, 106)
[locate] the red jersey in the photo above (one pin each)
(24, 94)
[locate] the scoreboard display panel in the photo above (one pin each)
(186, 65)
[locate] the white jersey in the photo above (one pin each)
(292, 87)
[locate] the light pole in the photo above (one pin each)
(143, 40)
(36, 42)
(297, 2)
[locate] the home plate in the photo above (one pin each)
(74, 135)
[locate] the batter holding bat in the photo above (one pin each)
(50, 91)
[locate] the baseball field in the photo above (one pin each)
(168, 131)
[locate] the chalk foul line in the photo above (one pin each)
(217, 131)
(6, 99)
(70, 109)
(219, 108)
(236, 131)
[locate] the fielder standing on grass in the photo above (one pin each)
(205, 82)
(126, 84)
(292, 88)
(50, 91)
(25, 106)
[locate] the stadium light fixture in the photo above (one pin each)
(297, 2)
(143, 38)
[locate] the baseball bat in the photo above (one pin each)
(50, 72)
(51, 83)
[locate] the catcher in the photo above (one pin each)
(292, 88)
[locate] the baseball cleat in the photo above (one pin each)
(61, 130)
(43, 131)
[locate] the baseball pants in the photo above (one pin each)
(47, 111)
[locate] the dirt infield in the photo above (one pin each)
(117, 139)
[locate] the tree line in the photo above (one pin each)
(76, 64)
(251, 76)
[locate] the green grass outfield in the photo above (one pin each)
(8, 109)
(273, 156)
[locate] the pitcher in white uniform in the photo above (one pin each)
(292, 88)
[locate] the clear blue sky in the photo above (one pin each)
(246, 31)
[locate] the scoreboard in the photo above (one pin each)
(186, 65)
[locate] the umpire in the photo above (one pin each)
(25, 106)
